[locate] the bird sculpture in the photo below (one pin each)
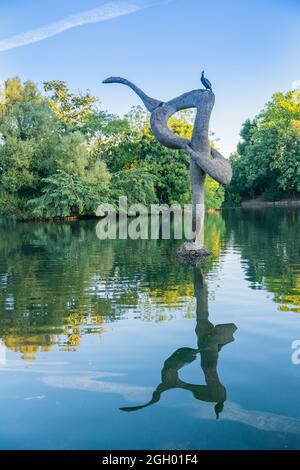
(206, 82)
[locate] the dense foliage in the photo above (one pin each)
(267, 162)
(61, 155)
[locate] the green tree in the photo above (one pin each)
(79, 184)
(267, 162)
(28, 134)
(214, 194)
(72, 109)
(62, 155)
(67, 195)
(137, 185)
(169, 168)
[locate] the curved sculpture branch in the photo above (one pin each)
(208, 160)
(150, 103)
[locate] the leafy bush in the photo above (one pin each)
(137, 185)
(214, 194)
(65, 195)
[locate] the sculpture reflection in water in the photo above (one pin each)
(211, 339)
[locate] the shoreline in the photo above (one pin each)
(261, 204)
(251, 204)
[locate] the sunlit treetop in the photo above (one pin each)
(72, 109)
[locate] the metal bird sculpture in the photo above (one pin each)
(206, 82)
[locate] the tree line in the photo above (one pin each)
(62, 155)
(267, 161)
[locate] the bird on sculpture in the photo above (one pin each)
(206, 82)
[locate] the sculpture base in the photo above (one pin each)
(191, 252)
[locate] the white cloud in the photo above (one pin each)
(261, 420)
(91, 383)
(105, 12)
(39, 397)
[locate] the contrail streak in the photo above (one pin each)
(105, 12)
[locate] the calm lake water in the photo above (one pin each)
(117, 345)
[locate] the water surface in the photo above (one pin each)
(117, 345)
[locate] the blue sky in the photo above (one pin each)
(249, 49)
